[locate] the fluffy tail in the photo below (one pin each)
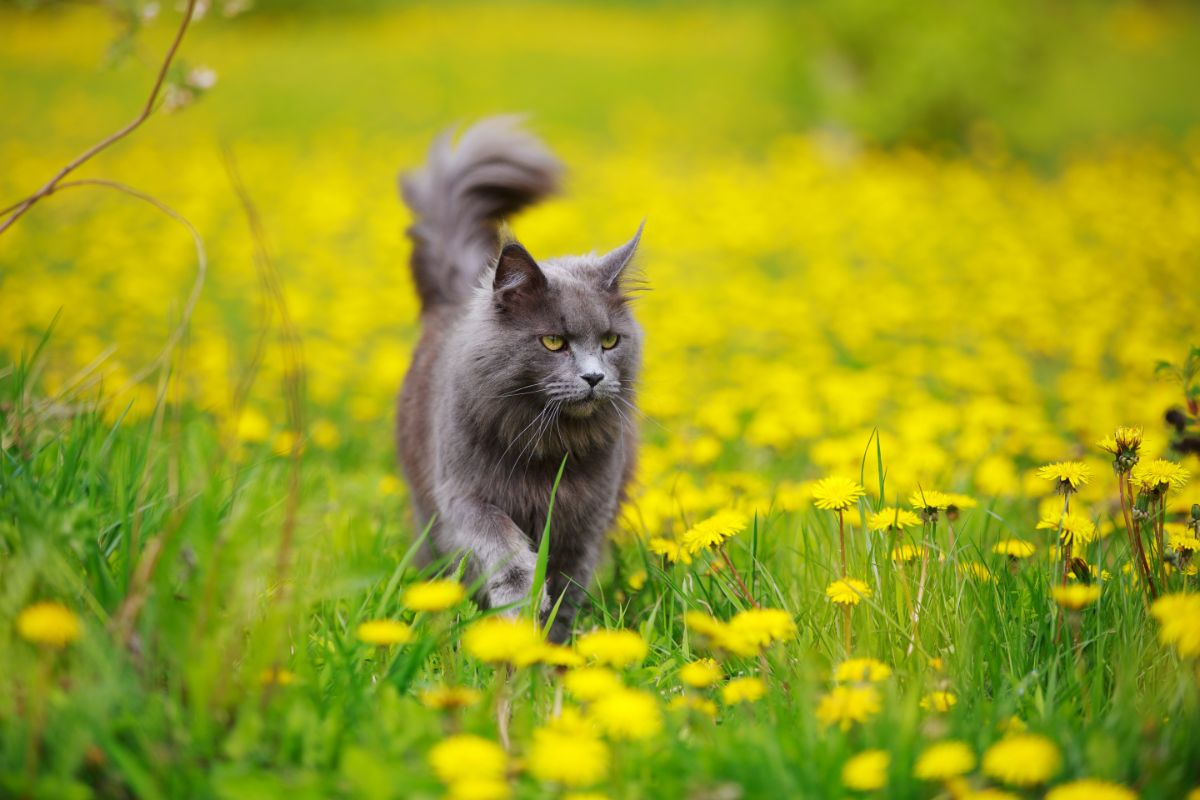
(459, 199)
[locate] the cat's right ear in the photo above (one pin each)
(518, 277)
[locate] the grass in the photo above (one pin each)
(906, 318)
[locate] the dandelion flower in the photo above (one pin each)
(866, 771)
(1122, 441)
(1159, 475)
(847, 591)
(700, 674)
(1023, 760)
(568, 755)
(713, 531)
(893, 519)
(669, 549)
(929, 500)
(591, 683)
(836, 493)
(50, 624)
(1075, 595)
(944, 760)
(556, 655)
(973, 569)
(466, 756)
(939, 701)
(1014, 548)
(1068, 476)
(1076, 528)
(1178, 617)
(627, 714)
(743, 690)
(443, 698)
(276, 677)
(762, 626)
(1091, 789)
(846, 705)
(384, 632)
(435, 595)
(904, 553)
(862, 670)
(690, 702)
(616, 648)
(498, 640)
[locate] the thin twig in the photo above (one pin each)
(18, 209)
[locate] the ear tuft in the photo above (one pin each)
(518, 277)
(613, 264)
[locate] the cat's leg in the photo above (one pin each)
(497, 551)
(568, 573)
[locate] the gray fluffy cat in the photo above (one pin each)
(520, 363)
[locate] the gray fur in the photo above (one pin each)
(487, 412)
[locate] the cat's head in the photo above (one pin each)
(565, 330)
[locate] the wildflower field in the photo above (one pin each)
(908, 520)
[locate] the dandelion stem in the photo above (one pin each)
(1135, 539)
(737, 576)
(842, 540)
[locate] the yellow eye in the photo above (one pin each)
(554, 343)
(609, 341)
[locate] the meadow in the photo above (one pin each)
(903, 445)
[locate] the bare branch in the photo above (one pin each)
(18, 209)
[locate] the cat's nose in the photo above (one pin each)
(593, 378)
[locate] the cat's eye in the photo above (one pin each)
(609, 341)
(554, 343)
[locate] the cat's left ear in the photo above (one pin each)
(613, 264)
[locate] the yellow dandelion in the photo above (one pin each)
(1091, 789)
(1122, 442)
(670, 549)
(444, 698)
(437, 595)
(384, 632)
(762, 626)
(1023, 760)
(893, 519)
(862, 670)
(1068, 476)
(847, 592)
(466, 756)
(700, 674)
(836, 493)
(1014, 548)
(619, 648)
(929, 500)
(49, 624)
(743, 690)
(904, 553)
(866, 771)
(1159, 475)
(591, 683)
(944, 760)
(568, 755)
(973, 569)
(939, 701)
(1178, 618)
(713, 531)
(845, 705)
(501, 640)
(627, 714)
(276, 677)
(690, 702)
(1076, 595)
(557, 655)
(1076, 528)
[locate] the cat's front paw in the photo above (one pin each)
(511, 587)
